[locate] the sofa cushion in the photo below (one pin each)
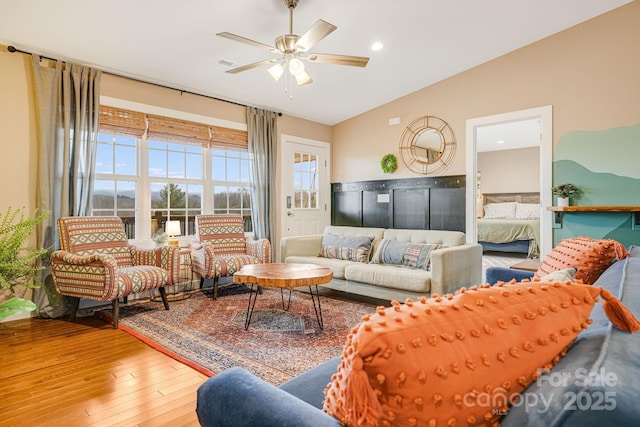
(309, 385)
(595, 384)
(346, 230)
(390, 276)
(452, 360)
(444, 237)
(235, 397)
(337, 266)
(416, 255)
(590, 256)
(352, 248)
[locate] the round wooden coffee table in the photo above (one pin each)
(283, 275)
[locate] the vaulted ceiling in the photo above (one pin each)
(174, 43)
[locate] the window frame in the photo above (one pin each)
(144, 181)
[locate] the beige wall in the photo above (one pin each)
(17, 133)
(130, 90)
(588, 73)
(510, 171)
(18, 124)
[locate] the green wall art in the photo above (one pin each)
(605, 166)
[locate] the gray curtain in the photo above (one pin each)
(67, 109)
(263, 141)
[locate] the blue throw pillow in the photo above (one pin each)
(352, 248)
(396, 252)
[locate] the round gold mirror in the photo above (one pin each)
(427, 145)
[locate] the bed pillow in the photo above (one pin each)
(590, 256)
(505, 210)
(527, 211)
(456, 359)
(352, 248)
(396, 252)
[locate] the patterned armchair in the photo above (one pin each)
(221, 248)
(95, 261)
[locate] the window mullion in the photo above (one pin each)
(143, 219)
(207, 203)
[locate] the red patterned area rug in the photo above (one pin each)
(210, 336)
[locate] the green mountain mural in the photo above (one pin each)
(604, 166)
(602, 189)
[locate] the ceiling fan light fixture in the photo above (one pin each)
(292, 49)
(296, 66)
(276, 71)
(303, 78)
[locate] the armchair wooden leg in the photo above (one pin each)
(116, 313)
(163, 294)
(75, 303)
(201, 282)
(215, 288)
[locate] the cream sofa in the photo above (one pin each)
(455, 265)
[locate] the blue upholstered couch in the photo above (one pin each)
(595, 384)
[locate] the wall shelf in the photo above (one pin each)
(559, 210)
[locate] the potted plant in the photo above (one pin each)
(19, 263)
(564, 193)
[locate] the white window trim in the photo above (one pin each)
(143, 204)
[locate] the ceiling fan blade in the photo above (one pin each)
(250, 42)
(327, 58)
(251, 66)
(317, 32)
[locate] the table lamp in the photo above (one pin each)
(172, 228)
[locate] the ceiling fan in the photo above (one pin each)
(293, 48)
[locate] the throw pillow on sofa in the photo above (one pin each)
(396, 252)
(460, 359)
(567, 274)
(590, 256)
(352, 248)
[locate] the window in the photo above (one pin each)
(230, 177)
(115, 187)
(176, 179)
(305, 182)
(168, 171)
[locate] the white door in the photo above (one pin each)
(305, 203)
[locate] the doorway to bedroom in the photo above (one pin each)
(510, 161)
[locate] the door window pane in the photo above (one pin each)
(305, 180)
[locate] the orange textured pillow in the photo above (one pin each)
(458, 359)
(591, 257)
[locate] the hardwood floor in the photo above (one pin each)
(58, 373)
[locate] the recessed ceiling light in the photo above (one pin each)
(377, 46)
(500, 141)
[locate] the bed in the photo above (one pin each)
(510, 223)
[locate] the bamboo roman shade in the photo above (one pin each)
(122, 122)
(133, 123)
(175, 130)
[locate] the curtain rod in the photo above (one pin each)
(13, 49)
